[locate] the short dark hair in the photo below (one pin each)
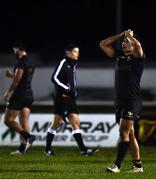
(70, 47)
(20, 45)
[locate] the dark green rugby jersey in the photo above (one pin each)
(28, 68)
(128, 72)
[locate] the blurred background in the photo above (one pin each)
(48, 26)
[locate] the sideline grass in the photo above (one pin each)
(69, 164)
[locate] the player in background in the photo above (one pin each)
(64, 79)
(19, 97)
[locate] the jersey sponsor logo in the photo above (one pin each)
(129, 114)
(124, 58)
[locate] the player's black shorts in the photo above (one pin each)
(19, 101)
(128, 109)
(64, 106)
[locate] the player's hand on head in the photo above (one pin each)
(129, 32)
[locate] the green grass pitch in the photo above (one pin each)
(69, 164)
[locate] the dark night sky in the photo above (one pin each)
(47, 26)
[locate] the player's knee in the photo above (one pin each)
(124, 134)
(74, 118)
(132, 134)
(7, 121)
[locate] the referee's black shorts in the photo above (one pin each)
(64, 106)
(19, 101)
(128, 109)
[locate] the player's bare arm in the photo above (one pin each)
(106, 44)
(15, 82)
(138, 50)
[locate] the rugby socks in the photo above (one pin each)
(22, 147)
(50, 136)
(78, 138)
(25, 134)
(122, 150)
(137, 163)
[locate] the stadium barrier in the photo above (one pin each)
(97, 130)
